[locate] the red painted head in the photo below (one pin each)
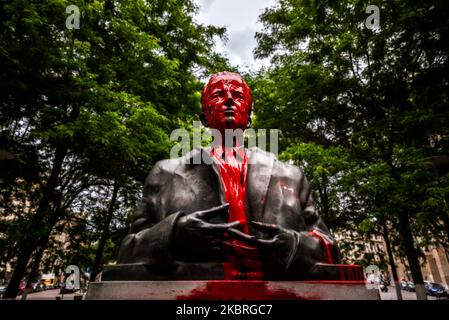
(227, 102)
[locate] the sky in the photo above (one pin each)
(240, 19)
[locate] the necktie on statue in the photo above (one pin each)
(244, 261)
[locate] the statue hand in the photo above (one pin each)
(197, 240)
(277, 250)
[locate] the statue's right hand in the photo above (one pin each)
(196, 239)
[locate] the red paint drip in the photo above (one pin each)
(241, 290)
(244, 261)
(326, 244)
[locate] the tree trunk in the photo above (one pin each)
(412, 257)
(105, 233)
(53, 218)
(391, 259)
(30, 241)
(35, 265)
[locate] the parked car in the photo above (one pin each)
(2, 290)
(435, 289)
(404, 285)
(410, 286)
(38, 287)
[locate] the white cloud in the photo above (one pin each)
(240, 18)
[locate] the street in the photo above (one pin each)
(54, 293)
(51, 294)
(406, 295)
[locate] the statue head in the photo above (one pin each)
(226, 102)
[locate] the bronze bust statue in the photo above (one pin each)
(242, 215)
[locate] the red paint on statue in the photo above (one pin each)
(241, 290)
(227, 102)
(324, 243)
(233, 165)
(245, 262)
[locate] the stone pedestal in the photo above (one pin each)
(230, 290)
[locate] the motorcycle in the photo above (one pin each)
(383, 286)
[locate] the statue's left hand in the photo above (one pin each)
(277, 249)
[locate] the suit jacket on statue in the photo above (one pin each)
(277, 193)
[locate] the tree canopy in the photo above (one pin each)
(378, 96)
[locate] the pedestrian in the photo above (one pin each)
(69, 283)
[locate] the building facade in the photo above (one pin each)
(359, 250)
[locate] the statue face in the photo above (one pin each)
(227, 102)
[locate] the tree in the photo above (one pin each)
(90, 106)
(379, 93)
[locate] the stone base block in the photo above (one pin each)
(231, 290)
